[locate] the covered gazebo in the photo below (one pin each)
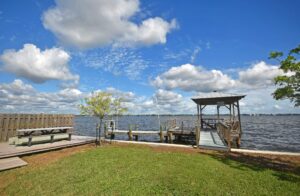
(230, 101)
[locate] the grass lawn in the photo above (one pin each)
(138, 170)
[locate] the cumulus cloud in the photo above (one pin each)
(189, 77)
(93, 23)
(38, 66)
(259, 75)
(20, 97)
(256, 82)
(167, 97)
(127, 96)
(166, 102)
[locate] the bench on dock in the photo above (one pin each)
(37, 135)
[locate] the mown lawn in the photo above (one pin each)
(135, 170)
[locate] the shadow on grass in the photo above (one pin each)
(260, 163)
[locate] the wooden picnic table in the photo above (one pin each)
(36, 132)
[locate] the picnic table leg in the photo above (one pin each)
(70, 134)
(29, 140)
(52, 138)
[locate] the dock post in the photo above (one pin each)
(161, 134)
(199, 115)
(130, 133)
(136, 137)
(170, 137)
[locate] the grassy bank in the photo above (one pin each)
(135, 170)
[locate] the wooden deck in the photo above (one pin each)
(7, 150)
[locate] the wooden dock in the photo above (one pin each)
(208, 139)
(7, 150)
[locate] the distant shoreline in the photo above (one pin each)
(204, 115)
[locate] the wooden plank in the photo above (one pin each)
(17, 124)
(11, 126)
(1, 126)
(134, 132)
(10, 163)
(70, 122)
(22, 121)
(27, 117)
(42, 120)
(55, 120)
(6, 127)
(37, 121)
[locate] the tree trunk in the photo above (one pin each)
(97, 130)
(100, 127)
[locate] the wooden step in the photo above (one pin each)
(10, 163)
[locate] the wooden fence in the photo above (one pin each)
(9, 123)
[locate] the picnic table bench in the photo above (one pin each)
(42, 134)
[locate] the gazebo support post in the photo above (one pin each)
(230, 116)
(240, 124)
(201, 120)
(218, 113)
(233, 112)
(198, 125)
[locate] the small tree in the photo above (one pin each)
(289, 84)
(99, 104)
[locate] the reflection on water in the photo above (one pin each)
(281, 133)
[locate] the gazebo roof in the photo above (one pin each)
(215, 98)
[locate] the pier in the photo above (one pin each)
(216, 133)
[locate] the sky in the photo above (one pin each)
(155, 54)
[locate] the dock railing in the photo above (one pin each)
(210, 123)
(230, 132)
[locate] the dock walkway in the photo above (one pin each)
(211, 140)
(208, 139)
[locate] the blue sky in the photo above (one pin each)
(54, 53)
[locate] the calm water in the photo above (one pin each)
(280, 133)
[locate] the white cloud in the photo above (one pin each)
(255, 82)
(38, 66)
(93, 23)
(116, 60)
(189, 77)
(17, 87)
(259, 75)
(167, 97)
(195, 53)
(127, 96)
(20, 97)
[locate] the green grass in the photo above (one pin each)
(113, 170)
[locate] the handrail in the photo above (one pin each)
(228, 131)
(225, 133)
